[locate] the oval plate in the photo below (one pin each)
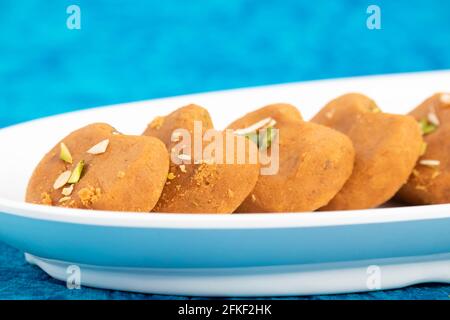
(227, 255)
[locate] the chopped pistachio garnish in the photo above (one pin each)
(76, 173)
(255, 127)
(423, 148)
(67, 191)
(430, 163)
(62, 179)
(65, 153)
(266, 138)
(427, 127)
(99, 147)
(171, 176)
(253, 136)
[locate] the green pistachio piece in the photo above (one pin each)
(266, 138)
(427, 127)
(253, 137)
(76, 173)
(65, 153)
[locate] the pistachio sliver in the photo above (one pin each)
(255, 127)
(76, 173)
(62, 179)
(266, 138)
(427, 127)
(253, 136)
(65, 153)
(99, 147)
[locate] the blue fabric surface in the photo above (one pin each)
(134, 50)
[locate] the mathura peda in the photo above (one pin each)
(95, 167)
(387, 147)
(430, 180)
(313, 162)
(198, 181)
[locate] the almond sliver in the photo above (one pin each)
(62, 179)
(67, 191)
(445, 98)
(254, 127)
(430, 163)
(99, 147)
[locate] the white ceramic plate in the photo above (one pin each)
(237, 255)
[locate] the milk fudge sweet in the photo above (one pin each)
(387, 147)
(314, 162)
(430, 181)
(199, 184)
(95, 167)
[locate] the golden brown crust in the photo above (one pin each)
(280, 112)
(431, 184)
(142, 161)
(184, 117)
(341, 112)
(208, 187)
(200, 187)
(314, 163)
(387, 147)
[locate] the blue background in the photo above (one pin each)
(134, 50)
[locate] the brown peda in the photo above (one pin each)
(387, 147)
(430, 181)
(314, 163)
(120, 172)
(198, 184)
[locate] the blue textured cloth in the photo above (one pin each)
(134, 50)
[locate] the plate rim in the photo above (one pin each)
(222, 221)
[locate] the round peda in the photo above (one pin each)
(277, 111)
(430, 181)
(120, 172)
(387, 147)
(313, 164)
(199, 184)
(183, 118)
